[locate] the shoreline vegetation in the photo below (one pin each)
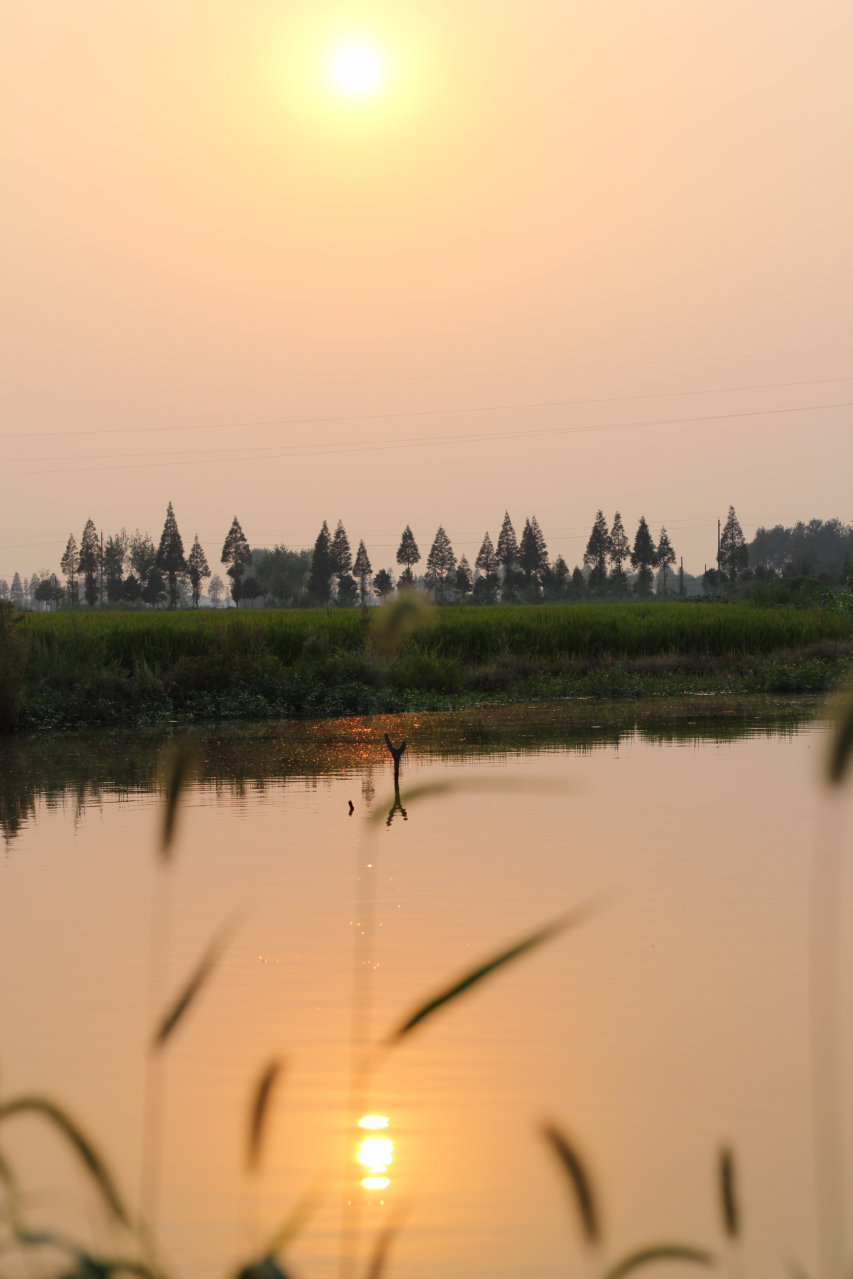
(72, 671)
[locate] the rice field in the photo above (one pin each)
(470, 634)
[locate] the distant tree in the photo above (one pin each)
(596, 553)
(48, 590)
(441, 561)
(383, 583)
(89, 561)
(507, 551)
(236, 553)
(154, 591)
(362, 570)
(463, 578)
(283, 574)
(561, 573)
(198, 570)
(170, 555)
(322, 567)
(643, 557)
(665, 555)
(532, 552)
(347, 591)
(487, 560)
(17, 591)
(115, 556)
(131, 589)
(734, 552)
(33, 586)
(215, 588)
(4, 589)
(70, 565)
(408, 554)
(143, 558)
(341, 553)
(578, 581)
(251, 589)
(618, 551)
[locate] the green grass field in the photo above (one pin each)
(101, 667)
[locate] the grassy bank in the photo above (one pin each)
(146, 668)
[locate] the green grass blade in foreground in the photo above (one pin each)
(570, 919)
(176, 768)
(298, 1218)
(79, 1143)
(259, 1110)
(197, 981)
(382, 1247)
(660, 1252)
(728, 1194)
(842, 744)
(579, 1180)
(90, 1266)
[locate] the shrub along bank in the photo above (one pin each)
(73, 670)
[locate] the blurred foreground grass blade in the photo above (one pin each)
(660, 1252)
(198, 978)
(78, 1141)
(264, 1268)
(259, 1110)
(728, 1194)
(384, 1240)
(578, 1179)
(842, 744)
(570, 919)
(89, 1266)
(302, 1212)
(7, 1173)
(177, 765)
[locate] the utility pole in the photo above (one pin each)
(718, 541)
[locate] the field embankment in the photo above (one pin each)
(144, 667)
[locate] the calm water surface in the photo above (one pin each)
(675, 1020)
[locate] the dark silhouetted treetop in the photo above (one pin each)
(597, 550)
(362, 569)
(734, 553)
(619, 548)
(198, 569)
(665, 554)
(70, 565)
(561, 572)
(383, 583)
(487, 560)
(90, 556)
(341, 553)
(236, 553)
(643, 557)
(507, 551)
(170, 554)
(322, 566)
(143, 556)
(17, 590)
(578, 580)
(441, 561)
(407, 552)
(463, 577)
(532, 552)
(115, 556)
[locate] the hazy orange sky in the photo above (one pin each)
(553, 229)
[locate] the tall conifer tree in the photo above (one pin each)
(90, 555)
(441, 561)
(198, 569)
(734, 552)
(597, 550)
(70, 565)
(236, 553)
(408, 554)
(170, 555)
(362, 570)
(619, 550)
(322, 566)
(643, 557)
(341, 553)
(665, 555)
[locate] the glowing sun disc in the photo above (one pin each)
(356, 69)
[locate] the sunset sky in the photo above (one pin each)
(420, 263)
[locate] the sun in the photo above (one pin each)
(356, 69)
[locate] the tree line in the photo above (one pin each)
(128, 569)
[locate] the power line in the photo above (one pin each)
(415, 413)
(427, 441)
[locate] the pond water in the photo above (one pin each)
(674, 1020)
